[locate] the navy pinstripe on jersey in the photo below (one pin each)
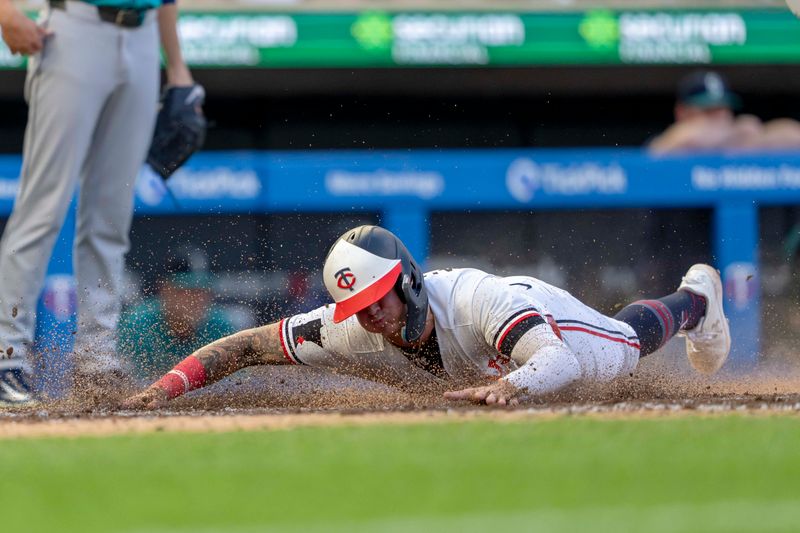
(515, 327)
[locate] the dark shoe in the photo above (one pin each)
(15, 389)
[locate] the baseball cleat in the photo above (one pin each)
(15, 392)
(708, 343)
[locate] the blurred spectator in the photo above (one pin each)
(161, 331)
(302, 293)
(705, 120)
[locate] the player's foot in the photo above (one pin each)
(708, 343)
(15, 389)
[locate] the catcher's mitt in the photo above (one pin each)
(180, 129)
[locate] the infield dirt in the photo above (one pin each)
(288, 397)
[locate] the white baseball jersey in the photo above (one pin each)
(478, 320)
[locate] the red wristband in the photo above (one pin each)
(187, 375)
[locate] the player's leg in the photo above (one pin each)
(64, 104)
(657, 321)
(123, 135)
(694, 310)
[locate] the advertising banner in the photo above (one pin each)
(386, 39)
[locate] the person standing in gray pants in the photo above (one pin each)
(92, 90)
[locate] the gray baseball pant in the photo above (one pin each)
(93, 97)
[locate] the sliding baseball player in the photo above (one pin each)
(488, 339)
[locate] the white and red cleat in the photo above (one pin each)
(708, 343)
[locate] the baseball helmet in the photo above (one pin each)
(363, 265)
(186, 267)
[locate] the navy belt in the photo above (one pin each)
(126, 18)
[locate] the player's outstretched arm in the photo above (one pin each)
(257, 346)
(546, 364)
(550, 369)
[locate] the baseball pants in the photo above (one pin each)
(93, 96)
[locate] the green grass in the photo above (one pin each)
(576, 474)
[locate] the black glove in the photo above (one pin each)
(180, 129)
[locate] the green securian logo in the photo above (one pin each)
(373, 30)
(600, 29)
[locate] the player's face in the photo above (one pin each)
(184, 309)
(386, 316)
(717, 114)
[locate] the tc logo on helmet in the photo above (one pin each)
(345, 279)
